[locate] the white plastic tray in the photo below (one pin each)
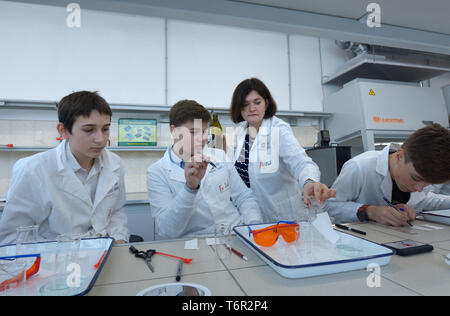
(441, 216)
(316, 256)
(91, 251)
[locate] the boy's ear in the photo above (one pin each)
(172, 131)
(400, 154)
(62, 131)
(177, 132)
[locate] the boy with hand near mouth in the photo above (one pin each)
(188, 195)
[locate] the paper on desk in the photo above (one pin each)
(323, 224)
(432, 226)
(191, 244)
(421, 228)
(212, 241)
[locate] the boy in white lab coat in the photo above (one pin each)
(74, 188)
(394, 173)
(187, 194)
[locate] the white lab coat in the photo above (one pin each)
(365, 179)
(278, 168)
(435, 194)
(46, 192)
(180, 212)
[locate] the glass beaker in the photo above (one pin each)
(67, 279)
(26, 239)
(222, 238)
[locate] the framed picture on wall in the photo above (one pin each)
(137, 132)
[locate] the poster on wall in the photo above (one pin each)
(137, 132)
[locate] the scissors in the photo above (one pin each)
(146, 255)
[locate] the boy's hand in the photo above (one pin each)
(409, 210)
(387, 215)
(194, 171)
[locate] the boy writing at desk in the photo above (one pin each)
(393, 174)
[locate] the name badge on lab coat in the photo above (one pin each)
(225, 186)
(268, 157)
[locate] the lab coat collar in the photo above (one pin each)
(175, 159)
(60, 155)
(65, 157)
(70, 183)
(382, 169)
(264, 129)
(107, 182)
(72, 161)
(172, 165)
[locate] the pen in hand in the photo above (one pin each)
(399, 209)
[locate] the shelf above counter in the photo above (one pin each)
(44, 148)
(162, 110)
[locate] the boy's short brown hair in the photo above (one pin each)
(80, 103)
(242, 91)
(429, 151)
(187, 110)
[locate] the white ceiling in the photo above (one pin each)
(426, 15)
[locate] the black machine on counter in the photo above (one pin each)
(330, 159)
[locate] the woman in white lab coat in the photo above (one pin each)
(269, 158)
(75, 188)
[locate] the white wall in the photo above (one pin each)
(121, 56)
(207, 62)
(124, 58)
(306, 73)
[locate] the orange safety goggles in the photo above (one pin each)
(268, 236)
